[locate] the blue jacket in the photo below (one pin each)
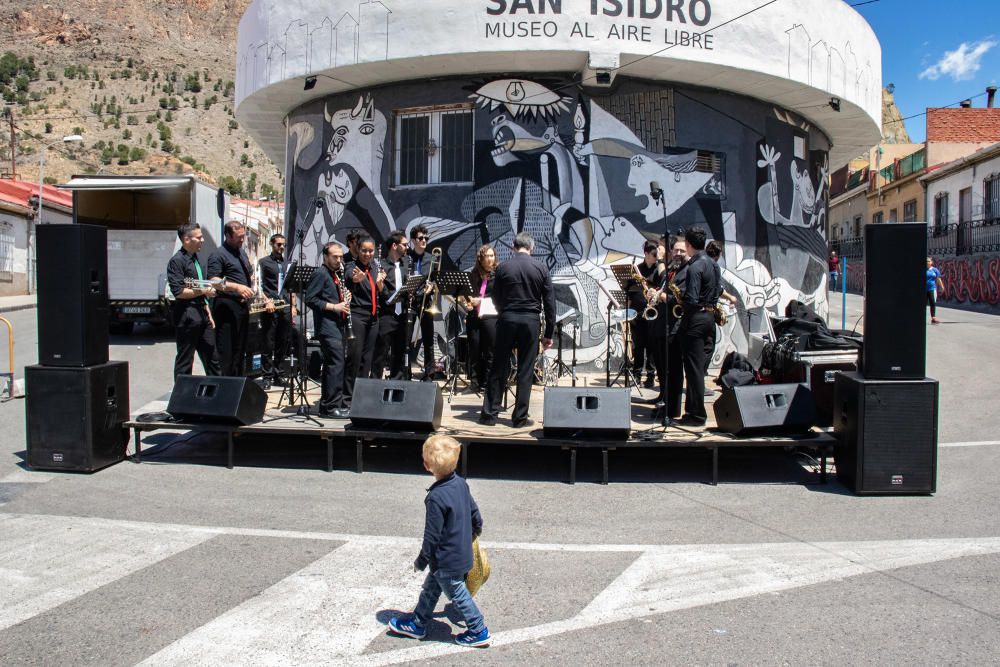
(452, 517)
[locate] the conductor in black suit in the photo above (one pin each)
(330, 301)
(522, 289)
(390, 347)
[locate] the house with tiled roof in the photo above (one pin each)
(18, 216)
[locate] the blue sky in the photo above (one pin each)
(936, 52)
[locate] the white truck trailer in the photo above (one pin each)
(142, 214)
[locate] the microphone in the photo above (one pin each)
(655, 190)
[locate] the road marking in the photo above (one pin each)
(981, 443)
(46, 561)
(326, 612)
(322, 613)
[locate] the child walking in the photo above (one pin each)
(452, 519)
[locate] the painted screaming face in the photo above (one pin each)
(336, 184)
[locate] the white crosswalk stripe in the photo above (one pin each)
(326, 612)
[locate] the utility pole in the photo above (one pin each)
(13, 143)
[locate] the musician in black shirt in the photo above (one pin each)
(390, 348)
(231, 309)
(276, 325)
(193, 325)
(364, 281)
(329, 300)
(521, 290)
(420, 263)
(480, 329)
(640, 328)
(697, 323)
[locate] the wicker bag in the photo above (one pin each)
(480, 571)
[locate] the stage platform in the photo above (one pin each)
(459, 420)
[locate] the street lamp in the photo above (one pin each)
(41, 168)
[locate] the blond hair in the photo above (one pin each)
(441, 454)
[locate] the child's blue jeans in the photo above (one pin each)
(454, 589)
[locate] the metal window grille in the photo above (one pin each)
(434, 146)
(6, 255)
(991, 198)
(941, 210)
(910, 211)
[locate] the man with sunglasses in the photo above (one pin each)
(276, 325)
(420, 264)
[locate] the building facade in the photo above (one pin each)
(18, 215)
(566, 119)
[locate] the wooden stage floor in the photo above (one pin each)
(459, 419)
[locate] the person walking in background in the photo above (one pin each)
(834, 265)
(933, 283)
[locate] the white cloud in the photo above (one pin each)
(961, 63)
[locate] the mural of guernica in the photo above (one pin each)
(550, 160)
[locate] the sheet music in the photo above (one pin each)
(487, 308)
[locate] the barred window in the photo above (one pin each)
(941, 210)
(910, 211)
(991, 198)
(877, 218)
(434, 145)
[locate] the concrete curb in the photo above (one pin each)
(16, 307)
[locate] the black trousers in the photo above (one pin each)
(390, 348)
(642, 345)
(195, 337)
(276, 329)
(932, 302)
(669, 372)
(331, 347)
(695, 329)
(520, 331)
(232, 323)
(427, 341)
(710, 344)
(482, 337)
(361, 350)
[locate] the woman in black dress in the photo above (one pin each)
(480, 321)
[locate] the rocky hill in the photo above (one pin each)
(148, 85)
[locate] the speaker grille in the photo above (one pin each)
(899, 437)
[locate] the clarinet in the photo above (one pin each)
(350, 327)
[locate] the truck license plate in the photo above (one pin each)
(136, 310)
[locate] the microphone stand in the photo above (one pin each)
(657, 193)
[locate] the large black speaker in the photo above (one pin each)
(396, 405)
(895, 301)
(761, 409)
(587, 411)
(75, 416)
(72, 271)
(886, 434)
(217, 399)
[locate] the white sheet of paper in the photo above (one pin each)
(486, 307)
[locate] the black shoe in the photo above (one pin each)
(689, 420)
(340, 413)
(325, 414)
(487, 420)
(523, 423)
(648, 384)
(709, 392)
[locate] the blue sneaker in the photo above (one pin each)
(469, 638)
(408, 627)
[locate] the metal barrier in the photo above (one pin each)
(10, 356)
(954, 239)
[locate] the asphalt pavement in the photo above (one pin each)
(181, 561)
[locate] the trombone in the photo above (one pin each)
(429, 303)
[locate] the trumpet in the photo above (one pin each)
(429, 303)
(259, 305)
(194, 283)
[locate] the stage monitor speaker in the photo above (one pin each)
(587, 411)
(396, 405)
(886, 434)
(895, 301)
(765, 409)
(217, 399)
(73, 312)
(76, 416)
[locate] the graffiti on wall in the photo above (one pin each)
(566, 170)
(974, 280)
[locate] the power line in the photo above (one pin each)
(924, 113)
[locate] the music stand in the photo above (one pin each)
(455, 284)
(409, 288)
(297, 383)
(561, 367)
(625, 276)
